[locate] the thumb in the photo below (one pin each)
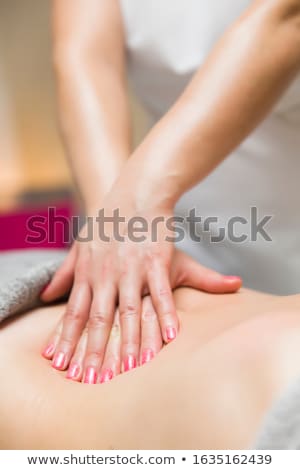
(189, 273)
(62, 280)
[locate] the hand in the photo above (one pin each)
(106, 275)
(111, 366)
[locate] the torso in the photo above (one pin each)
(154, 406)
(167, 42)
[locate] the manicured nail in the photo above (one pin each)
(59, 360)
(90, 376)
(44, 288)
(48, 351)
(106, 376)
(233, 278)
(129, 363)
(147, 355)
(170, 333)
(73, 371)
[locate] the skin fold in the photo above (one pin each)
(209, 389)
(230, 94)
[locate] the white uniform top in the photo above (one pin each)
(167, 42)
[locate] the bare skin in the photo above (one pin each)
(257, 58)
(234, 355)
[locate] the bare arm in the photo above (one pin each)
(89, 64)
(89, 59)
(242, 79)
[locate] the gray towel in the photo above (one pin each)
(23, 274)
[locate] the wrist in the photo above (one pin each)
(149, 183)
(140, 192)
(167, 162)
(99, 194)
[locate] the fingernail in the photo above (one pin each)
(59, 360)
(44, 288)
(233, 278)
(73, 371)
(129, 363)
(106, 376)
(90, 376)
(147, 355)
(48, 351)
(171, 333)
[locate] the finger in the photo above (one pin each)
(99, 326)
(75, 369)
(151, 342)
(62, 280)
(112, 361)
(162, 298)
(74, 321)
(192, 274)
(130, 319)
(49, 350)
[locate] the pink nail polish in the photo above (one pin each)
(59, 360)
(147, 355)
(73, 371)
(106, 376)
(48, 351)
(90, 376)
(129, 363)
(233, 278)
(170, 333)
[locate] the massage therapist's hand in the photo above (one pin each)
(118, 269)
(111, 365)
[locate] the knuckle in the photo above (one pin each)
(153, 257)
(99, 320)
(167, 319)
(130, 345)
(164, 301)
(73, 314)
(95, 357)
(124, 269)
(164, 293)
(148, 315)
(66, 343)
(128, 310)
(105, 270)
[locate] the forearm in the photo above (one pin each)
(228, 97)
(89, 61)
(95, 125)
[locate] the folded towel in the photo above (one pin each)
(23, 274)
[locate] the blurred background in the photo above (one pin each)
(33, 171)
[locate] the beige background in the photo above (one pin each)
(31, 156)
